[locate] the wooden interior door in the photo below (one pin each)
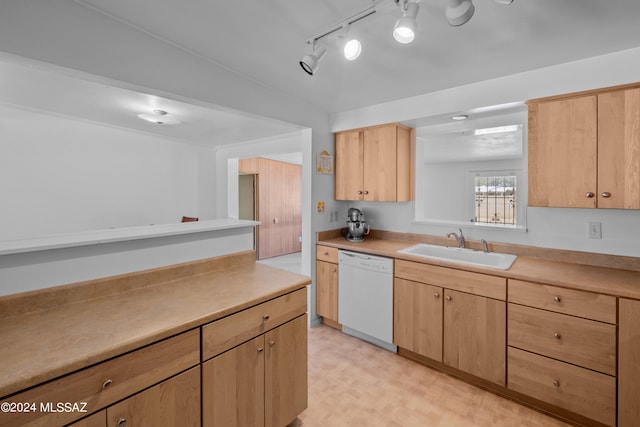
(563, 153)
(475, 335)
(417, 318)
(286, 372)
(278, 206)
(619, 149)
(380, 163)
(348, 166)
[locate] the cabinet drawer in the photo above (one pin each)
(235, 329)
(326, 253)
(579, 341)
(567, 301)
(459, 280)
(108, 382)
(575, 389)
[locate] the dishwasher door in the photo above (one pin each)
(365, 297)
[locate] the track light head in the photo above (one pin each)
(352, 49)
(459, 11)
(309, 62)
(405, 29)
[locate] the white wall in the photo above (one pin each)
(61, 175)
(42, 269)
(547, 227)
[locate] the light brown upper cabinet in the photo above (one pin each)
(375, 164)
(584, 149)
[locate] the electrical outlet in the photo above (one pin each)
(595, 230)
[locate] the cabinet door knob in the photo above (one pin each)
(107, 384)
(359, 191)
(589, 195)
(557, 299)
(606, 194)
(272, 343)
(260, 349)
(556, 383)
(557, 335)
(121, 422)
(448, 298)
(265, 317)
(437, 295)
(366, 192)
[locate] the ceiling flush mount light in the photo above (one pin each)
(159, 117)
(460, 117)
(309, 62)
(405, 29)
(459, 11)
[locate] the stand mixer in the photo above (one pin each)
(357, 227)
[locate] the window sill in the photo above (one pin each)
(465, 224)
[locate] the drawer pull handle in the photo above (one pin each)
(107, 384)
(265, 317)
(260, 349)
(437, 295)
(272, 343)
(121, 422)
(556, 383)
(326, 254)
(557, 299)
(448, 298)
(557, 335)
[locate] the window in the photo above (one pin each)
(495, 199)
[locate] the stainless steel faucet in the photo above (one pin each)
(459, 239)
(485, 246)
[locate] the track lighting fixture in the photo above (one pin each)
(459, 11)
(405, 29)
(309, 62)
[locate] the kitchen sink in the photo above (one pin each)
(467, 256)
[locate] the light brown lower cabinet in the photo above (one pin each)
(629, 363)
(417, 317)
(262, 382)
(582, 391)
(475, 335)
(99, 419)
(327, 290)
(174, 402)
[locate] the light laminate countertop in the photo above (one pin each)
(608, 281)
(39, 346)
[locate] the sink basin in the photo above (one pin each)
(467, 256)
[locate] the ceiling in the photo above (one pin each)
(264, 41)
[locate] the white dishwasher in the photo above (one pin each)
(365, 297)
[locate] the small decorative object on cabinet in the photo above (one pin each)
(375, 163)
(584, 149)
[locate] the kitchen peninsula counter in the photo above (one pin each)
(603, 274)
(48, 333)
